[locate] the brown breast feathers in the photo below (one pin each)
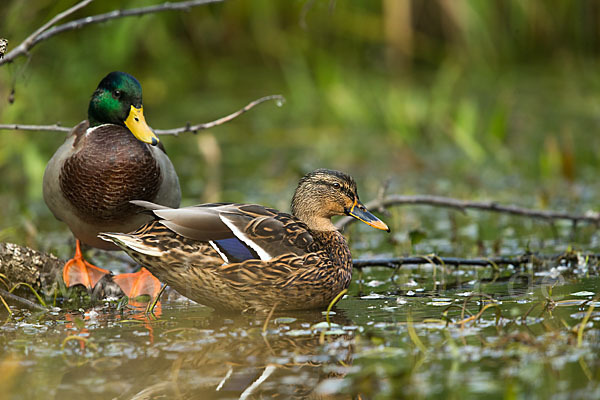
(111, 168)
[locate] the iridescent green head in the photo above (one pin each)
(118, 100)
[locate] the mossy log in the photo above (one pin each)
(22, 266)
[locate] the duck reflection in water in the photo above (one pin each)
(221, 358)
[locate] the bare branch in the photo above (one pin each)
(176, 131)
(462, 205)
(195, 128)
(21, 300)
(47, 30)
(456, 261)
(416, 260)
(20, 127)
(30, 41)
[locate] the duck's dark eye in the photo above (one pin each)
(116, 93)
(336, 185)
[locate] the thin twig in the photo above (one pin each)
(22, 300)
(462, 205)
(47, 30)
(195, 128)
(20, 127)
(478, 315)
(516, 260)
(24, 47)
(174, 131)
(394, 262)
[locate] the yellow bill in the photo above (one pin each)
(138, 126)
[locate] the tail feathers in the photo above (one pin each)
(130, 242)
(149, 205)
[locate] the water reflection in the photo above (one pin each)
(528, 334)
(210, 356)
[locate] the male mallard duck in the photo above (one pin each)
(246, 256)
(105, 163)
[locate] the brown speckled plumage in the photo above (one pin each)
(286, 262)
(196, 270)
(93, 176)
(110, 170)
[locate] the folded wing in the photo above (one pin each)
(238, 232)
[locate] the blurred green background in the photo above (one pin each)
(473, 99)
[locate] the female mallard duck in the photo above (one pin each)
(105, 163)
(246, 256)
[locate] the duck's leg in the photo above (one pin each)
(138, 283)
(77, 270)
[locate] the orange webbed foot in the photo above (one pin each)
(78, 271)
(138, 283)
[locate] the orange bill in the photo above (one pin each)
(360, 212)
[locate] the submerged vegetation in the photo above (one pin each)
(475, 100)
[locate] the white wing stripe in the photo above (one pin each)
(223, 256)
(264, 256)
